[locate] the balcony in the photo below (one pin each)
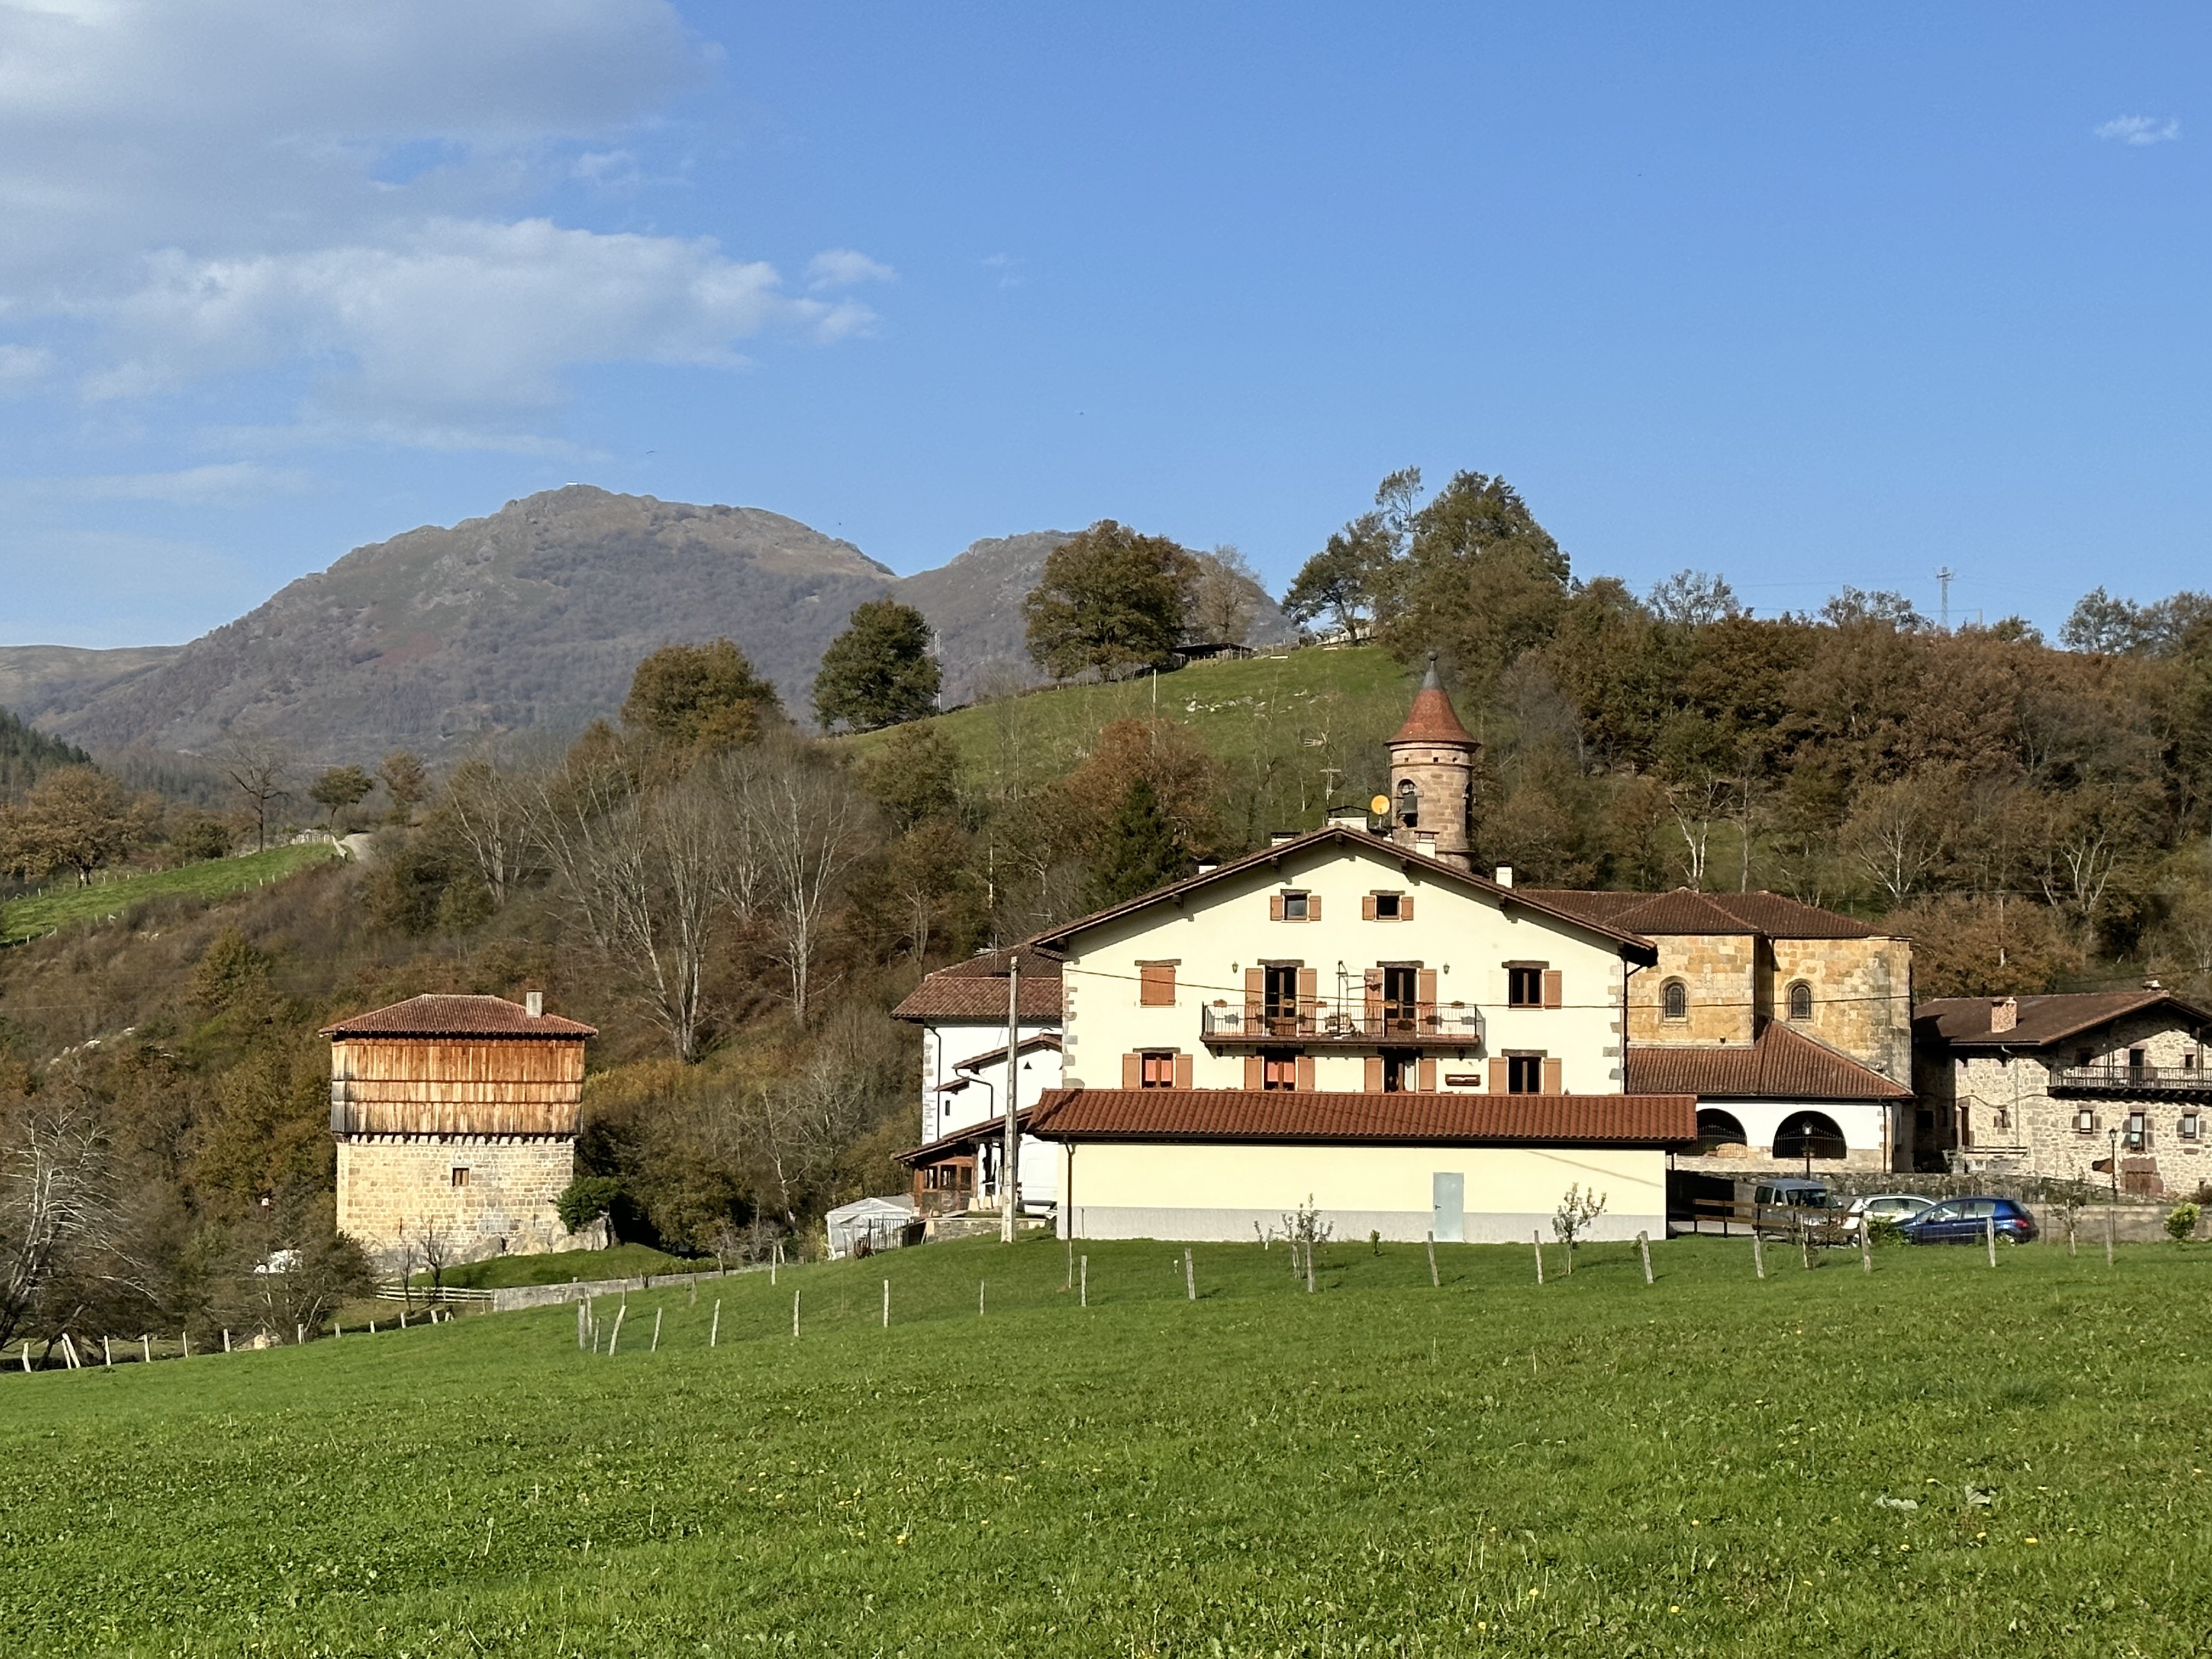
(2170, 1082)
(1322, 1024)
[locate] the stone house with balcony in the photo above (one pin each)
(2105, 1086)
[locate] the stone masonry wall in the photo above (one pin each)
(1719, 972)
(394, 1185)
(2014, 1126)
(1862, 997)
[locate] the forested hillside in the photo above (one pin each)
(26, 753)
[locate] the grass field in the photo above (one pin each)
(1045, 733)
(117, 890)
(1940, 1459)
(565, 1267)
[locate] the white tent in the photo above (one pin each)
(870, 1225)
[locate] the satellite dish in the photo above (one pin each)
(1380, 805)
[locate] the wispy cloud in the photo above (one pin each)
(2141, 128)
(842, 267)
(221, 484)
(1008, 267)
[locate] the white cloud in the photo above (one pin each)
(456, 315)
(222, 484)
(220, 186)
(2141, 128)
(840, 267)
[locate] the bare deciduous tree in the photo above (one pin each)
(490, 810)
(260, 768)
(54, 1203)
(807, 825)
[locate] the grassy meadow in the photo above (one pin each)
(1940, 1459)
(1353, 698)
(114, 891)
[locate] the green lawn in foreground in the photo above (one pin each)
(1045, 733)
(116, 891)
(1940, 1459)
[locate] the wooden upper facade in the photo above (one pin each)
(457, 1065)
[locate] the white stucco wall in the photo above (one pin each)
(1218, 1192)
(1871, 1131)
(1220, 931)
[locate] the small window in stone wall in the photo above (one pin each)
(2191, 1126)
(460, 1175)
(2085, 1122)
(1800, 1001)
(1674, 1000)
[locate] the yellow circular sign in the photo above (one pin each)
(1381, 804)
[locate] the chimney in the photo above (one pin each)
(1207, 867)
(2153, 985)
(1281, 837)
(1425, 843)
(2004, 1014)
(533, 1004)
(1504, 877)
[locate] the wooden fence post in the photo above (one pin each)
(1865, 1243)
(1757, 1253)
(887, 1304)
(979, 1298)
(714, 1326)
(1537, 1240)
(225, 1336)
(613, 1336)
(1190, 1278)
(580, 1324)
(299, 1336)
(795, 1316)
(1643, 1250)
(27, 1356)
(655, 1348)
(146, 1341)
(107, 1355)
(2111, 1226)
(1309, 1267)
(1434, 1282)
(1989, 1233)
(1086, 1283)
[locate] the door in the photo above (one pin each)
(1400, 1000)
(1280, 1001)
(1447, 1205)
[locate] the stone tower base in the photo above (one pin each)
(482, 1194)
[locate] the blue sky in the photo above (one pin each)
(1802, 296)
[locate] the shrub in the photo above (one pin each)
(2181, 1221)
(584, 1199)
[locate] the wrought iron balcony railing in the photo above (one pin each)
(2125, 1080)
(1347, 1023)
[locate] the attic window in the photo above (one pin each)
(1386, 906)
(460, 1175)
(1294, 904)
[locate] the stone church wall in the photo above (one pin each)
(391, 1186)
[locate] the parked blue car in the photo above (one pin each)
(1963, 1221)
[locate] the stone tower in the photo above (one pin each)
(1432, 776)
(456, 1118)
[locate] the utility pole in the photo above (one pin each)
(1010, 1164)
(1944, 577)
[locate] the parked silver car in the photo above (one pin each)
(1892, 1207)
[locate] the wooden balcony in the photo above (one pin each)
(2161, 1082)
(1322, 1022)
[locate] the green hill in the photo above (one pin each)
(1937, 1459)
(1354, 696)
(116, 891)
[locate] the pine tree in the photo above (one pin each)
(1137, 850)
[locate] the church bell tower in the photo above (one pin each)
(1432, 776)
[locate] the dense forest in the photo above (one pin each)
(736, 904)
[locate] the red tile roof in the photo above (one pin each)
(1250, 1115)
(1638, 948)
(1432, 718)
(1964, 1021)
(976, 989)
(1784, 1064)
(1682, 911)
(457, 1016)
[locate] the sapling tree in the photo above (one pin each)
(1573, 1217)
(2181, 1222)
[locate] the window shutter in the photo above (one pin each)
(1132, 1075)
(1256, 996)
(1374, 1074)
(1182, 1071)
(1372, 985)
(1254, 1077)
(1552, 1078)
(1313, 907)
(1428, 1076)
(1406, 908)
(1274, 907)
(1425, 984)
(1155, 984)
(1308, 994)
(1497, 1079)
(1367, 908)
(1305, 1074)
(1552, 996)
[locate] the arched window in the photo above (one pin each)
(1674, 1000)
(1717, 1129)
(1801, 1000)
(1808, 1134)
(1409, 803)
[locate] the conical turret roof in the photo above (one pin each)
(1432, 718)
